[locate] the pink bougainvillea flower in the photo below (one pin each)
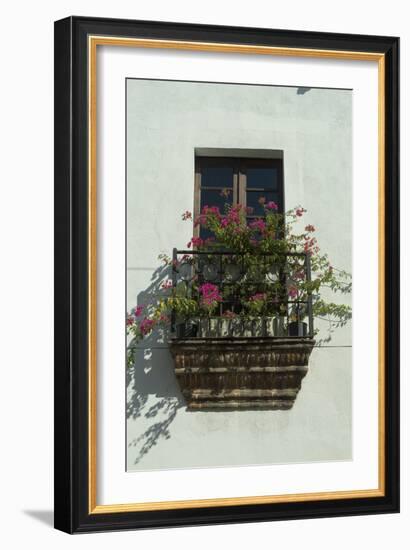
(292, 292)
(299, 212)
(234, 217)
(310, 246)
(260, 225)
(299, 275)
(207, 210)
(224, 222)
(310, 228)
(137, 311)
(208, 289)
(195, 241)
(233, 214)
(214, 210)
(272, 205)
(130, 321)
(187, 215)
(146, 326)
(210, 294)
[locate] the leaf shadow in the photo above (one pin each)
(153, 394)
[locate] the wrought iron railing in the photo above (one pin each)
(238, 276)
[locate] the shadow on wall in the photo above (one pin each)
(301, 90)
(153, 393)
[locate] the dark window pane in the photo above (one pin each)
(217, 176)
(253, 197)
(205, 233)
(215, 197)
(262, 177)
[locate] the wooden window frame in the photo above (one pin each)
(239, 184)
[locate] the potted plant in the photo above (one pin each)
(241, 306)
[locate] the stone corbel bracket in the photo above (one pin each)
(241, 373)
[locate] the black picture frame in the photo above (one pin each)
(72, 511)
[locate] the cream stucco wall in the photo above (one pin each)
(166, 123)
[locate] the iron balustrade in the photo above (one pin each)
(237, 276)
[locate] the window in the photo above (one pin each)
(225, 180)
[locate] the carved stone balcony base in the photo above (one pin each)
(241, 373)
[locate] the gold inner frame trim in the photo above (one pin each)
(93, 42)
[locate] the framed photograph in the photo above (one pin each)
(226, 274)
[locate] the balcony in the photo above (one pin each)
(251, 349)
